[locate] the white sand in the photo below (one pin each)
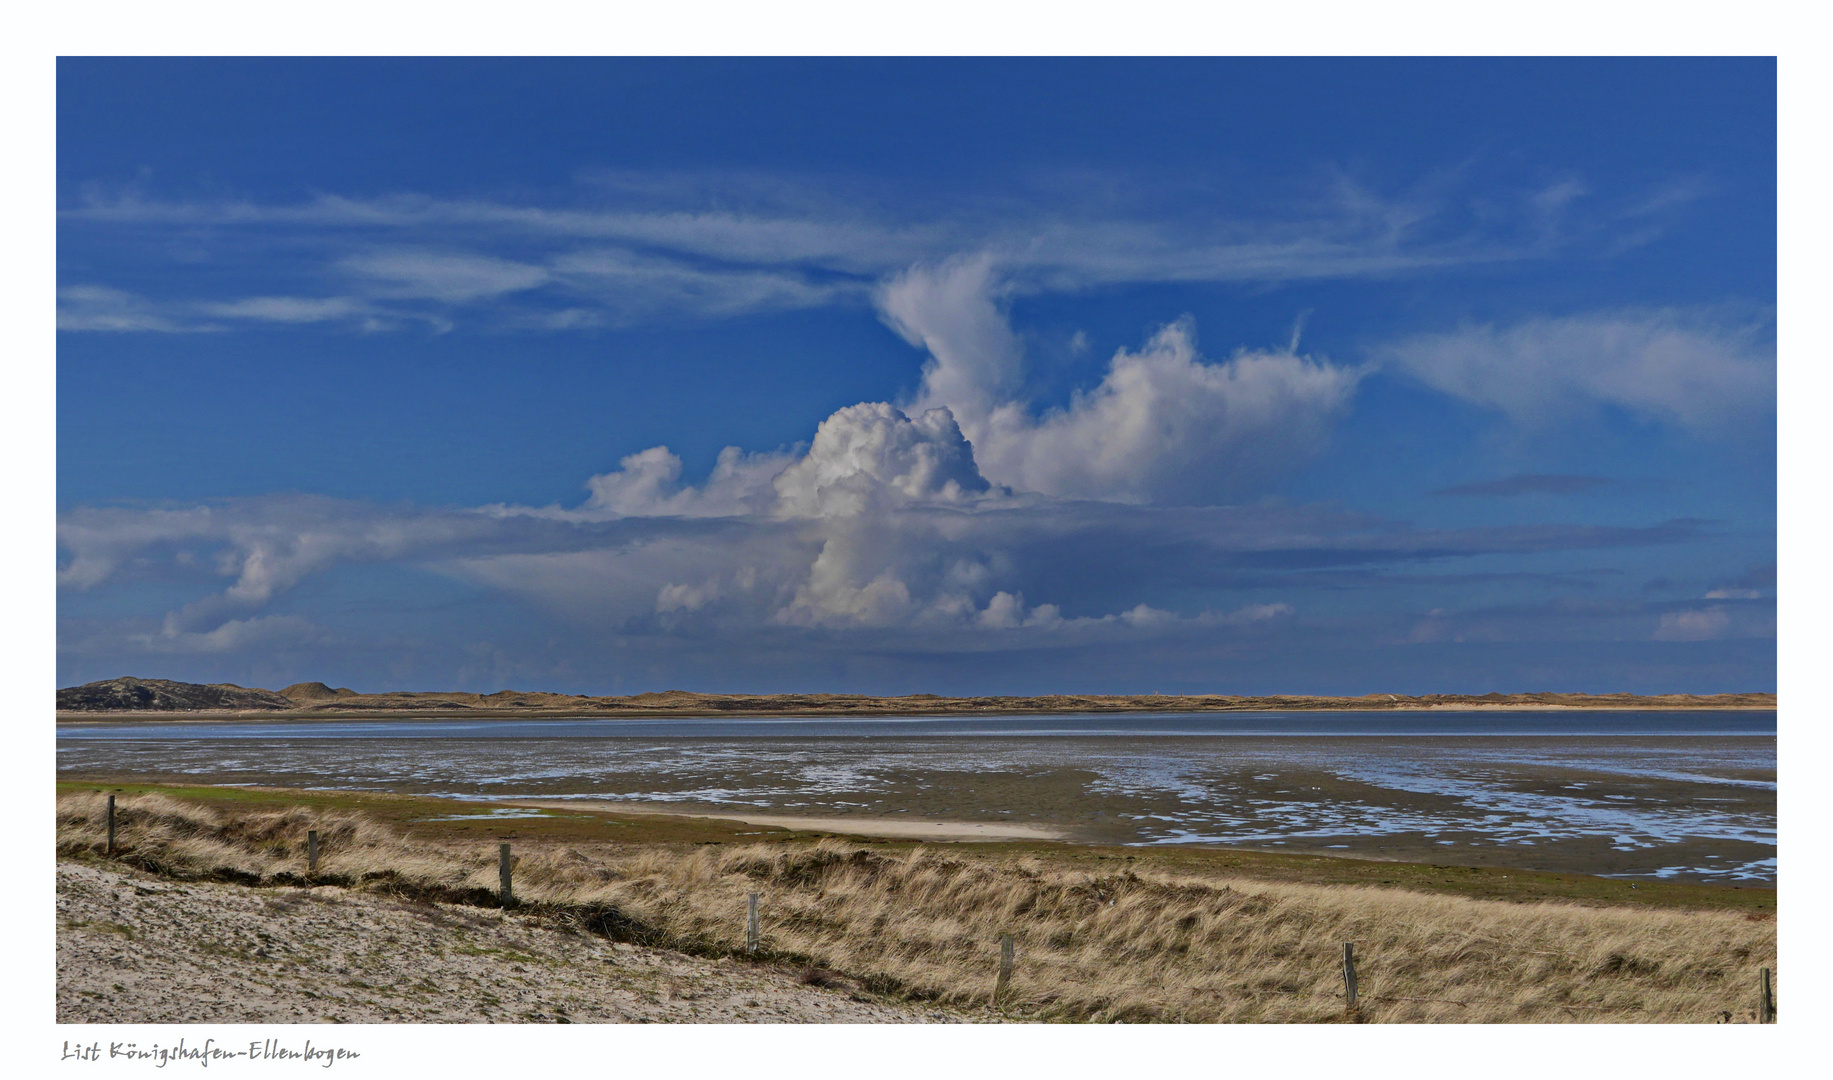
(898, 828)
(132, 948)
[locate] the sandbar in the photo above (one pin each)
(899, 828)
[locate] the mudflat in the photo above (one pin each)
(1692, 807)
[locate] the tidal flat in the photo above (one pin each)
(1686, 797)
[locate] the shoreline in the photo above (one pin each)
(163, 699)
(466, 713)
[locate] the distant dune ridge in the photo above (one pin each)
(164, 695)
(301, 692)
(157, 696)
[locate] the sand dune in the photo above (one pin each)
(159, 698)
(133, 948)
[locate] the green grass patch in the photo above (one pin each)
(104, 927)
(414, 815)
(510, 955)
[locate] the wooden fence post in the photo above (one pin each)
(311, 847)
(751, 923)
(1349, 973)
(111, 826)
(502, 872)
(1005, 967)
(1766, 1005)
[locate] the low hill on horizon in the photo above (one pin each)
(162, 696)
(129, 694)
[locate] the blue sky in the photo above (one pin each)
(1221, 375)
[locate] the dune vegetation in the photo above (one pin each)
(923, 923)
(127, 698)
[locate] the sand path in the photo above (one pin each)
(132, 948)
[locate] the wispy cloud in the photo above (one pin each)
(96, 308)
(268, 633)
(628, 285)
(1685, 368)
(286, 309)
(453, 278)
(712, 247)
(1697, 625)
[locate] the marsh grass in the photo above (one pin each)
(924, 924)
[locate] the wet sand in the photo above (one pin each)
(1314, 812)
(1698, 808)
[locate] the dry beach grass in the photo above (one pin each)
(132, 947)
(923, 924)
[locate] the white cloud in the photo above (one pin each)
(871, 456)
(975, 361)
(890, 522)
(648, 484)
(1163, 425)
(451, 277)
(632, 285)
(1348, 232)
(99, 541)
(1664, 365)
(99, 308)
(265, 545)
(718, 246)
(1703, 625)
(267, 632)
(1007, 611)
(737, 578)
(286, 309)
(1253, 613)
(891, 552)
(889, 569)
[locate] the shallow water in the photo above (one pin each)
(1688, 795)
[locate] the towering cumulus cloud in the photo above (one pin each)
(869, 473)
(1162, 426)
(871, 455)
(943, 515)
